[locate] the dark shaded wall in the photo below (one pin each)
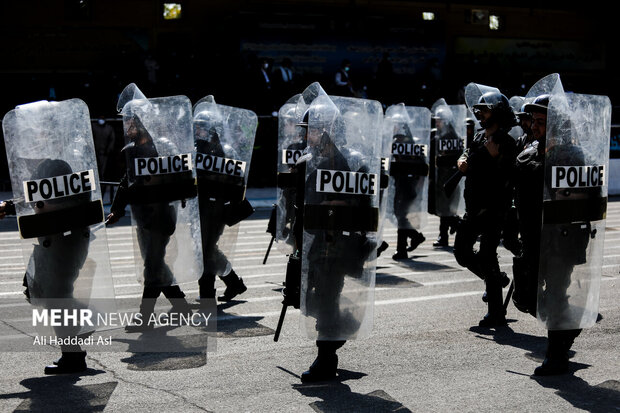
(91, 49)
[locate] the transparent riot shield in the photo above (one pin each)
(447, 146)
(224, 139)
(384, 180)
(574, 208)
(161, 190)
(409, 167)
(291, 146)
(53, 169)
(340, 218)
(473, 91)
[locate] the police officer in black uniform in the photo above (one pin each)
(331, 256)
(443, 167)
(217, 194)
(565, 250)
(488, 166)
(156, 222)
(407, 172)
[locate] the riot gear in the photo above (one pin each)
(558, 276)
(159, 185)
(407, 207)
(60, 217)
(336, 200)
(498, 105)
(487, 166)
(447, 144)
(224, 136)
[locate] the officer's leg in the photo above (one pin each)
(147, 309)
(177, 298)
(493, 278)
(464, 241)
(401, 245)
(73, 360)
(206, 285)
(559, 343)
(234, 286)
(325, 365)
(510, 233)
(444, 225)
(416, 238)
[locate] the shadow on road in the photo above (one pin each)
(337, 397)
(536, 345)
(61, 394)
(601, 398)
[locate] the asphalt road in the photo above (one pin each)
(425, 353)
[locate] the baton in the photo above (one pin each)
(280, 322)
(509, 294)
(268, 249)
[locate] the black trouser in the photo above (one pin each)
(487, 226)
(329, 347)
(445, 223)
(559, 343)
(484, 263)
(151, 293)
(214, 261)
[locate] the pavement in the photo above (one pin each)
(425, 352)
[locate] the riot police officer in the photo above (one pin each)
(221, 194)
(446, 147)
(487, 166)
(68, 267)
(335, 228)
(155, 224)
(554, 275)
(409, 169)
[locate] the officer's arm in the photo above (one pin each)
(117, 210)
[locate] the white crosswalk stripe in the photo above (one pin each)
(428, 275)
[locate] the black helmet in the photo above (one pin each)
(539, 105)
(522, 113)
(500, 108)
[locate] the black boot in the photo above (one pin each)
(325, 366)
(234, 286)
(416, 239)
(442, 241)
(496, 316)
(69, 362)
(401, 245)
(147, 309)
(384, 245)
(556, 357)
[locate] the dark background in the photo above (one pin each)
(91, 49)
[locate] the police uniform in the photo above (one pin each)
(444, 163)
(214, 205)
(488, 196)
(155, 224)
(406, 173)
